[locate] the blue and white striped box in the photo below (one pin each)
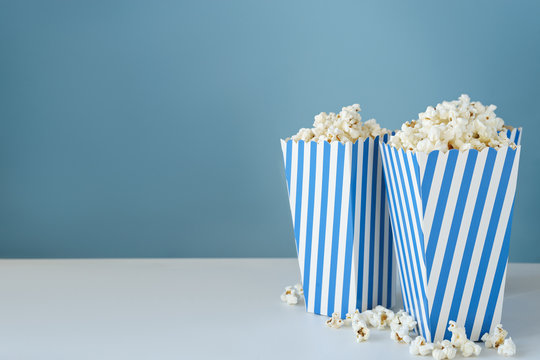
(341, 224)
(451, 216)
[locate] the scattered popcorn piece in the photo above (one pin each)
(345, 127)
(495, 338)
(400, 334)
(361, 330)
(335, 321)
(356, 317)
(420, 347)
(444, 350)
(459, 334)
(299, 289)
(401, 318)
(469, 348)
(459, 124)
(380, 317)
(290, 296)
(508, 348)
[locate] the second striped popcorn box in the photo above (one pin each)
(451, 214)
(341, 224)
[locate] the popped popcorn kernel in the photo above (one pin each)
(299, 289)
(459, 334)
(402, 318)
(290, 296)
(400, 335)
(344, 127)
(356, 318)
(495, 338)
(420, 347)
(361, 330)
(508, 348)
(459, 124)
(443, 350)
(335, 321)
(380, 317)
(470, 348)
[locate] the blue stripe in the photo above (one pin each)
(309, 223)
(335, 228)
(390, 283)
(350, 231)
(322, 226)
(428, 177)
(299, 177)
(452, 239)
(497, 281)
(490, 237)
(517, 139)
(418, 286)
(375, 157)
(382, 211)
(288, 156)
(473, 232)
(442, 195)
(362, 231)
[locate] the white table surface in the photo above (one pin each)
(198, 309)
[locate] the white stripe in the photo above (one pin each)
(343, 221)
(294, 175)
(358, 253)
(316, 225)
(284, 151)
(304, 210)
(480, 239)
(329, 229)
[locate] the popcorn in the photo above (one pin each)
(508, 348)
(335, 321)
(420, 347)
(469, 348)
(356, 318)
(345, 127)
(401, 318)
(460, 341)
(299, 289)
(290, 296)
(459, 334)
(400, 334)
(380, 317)
(361, 330)
(444, 350)
(459, 124)
(495, 338)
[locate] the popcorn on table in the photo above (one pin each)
(361, 330)
(420, 347)
(460, 341)
(290, 296)
(299, 289)
(508, 348)
(495, 338)
(443, 350)
(400, 335)
(459, 124)
(380, 317)
(335, 321)
(345, 127)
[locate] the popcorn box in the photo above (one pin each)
(341, 224)
(451, 216)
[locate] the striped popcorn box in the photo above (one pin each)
(451, 215)
(341, 224)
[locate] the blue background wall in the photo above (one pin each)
(151, 128)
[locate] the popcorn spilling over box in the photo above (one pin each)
(340, 213)
(451, 178)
